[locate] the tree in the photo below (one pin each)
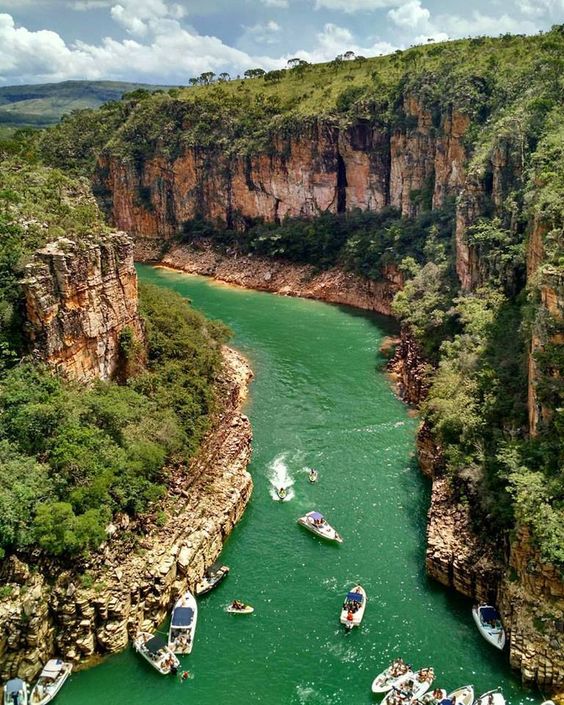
(254, 73)
(274, 76)
(207, 77)
(293, 62)
(348, 55)
(223, 77)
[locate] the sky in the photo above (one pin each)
(168, 42)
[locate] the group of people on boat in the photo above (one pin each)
(237, 605)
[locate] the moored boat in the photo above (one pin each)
(410, 687)
(212, 577)
(237, 607)
(462, 696)
(16, 692)
(385, 680)
(437, 696)
(488, 621)
(492, 697)
(353, 608)
(317, 524)
(313, 475)
(183, 624)
(51, 680)
(154, 649)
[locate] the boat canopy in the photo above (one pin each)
(52, 668)
(445, 701)
(489, 614)
(316, 515)
(182, 617)
(214, 568)
(13, 686)
(354, 597)
(155, 644)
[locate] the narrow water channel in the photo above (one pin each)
(320, 398)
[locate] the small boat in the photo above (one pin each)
(488, 621)
(237, 607)
(313, 475)
(154, 649)
(437, 696)
(462, 696)
(492, 697)
(353, 607)
(385, 680)
(317, 524)
(282, 493)
(410, 687)
(212, 577)
(183, 624)
(16, 692)
(51, 680)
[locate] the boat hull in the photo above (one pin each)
(181, 639)
(326, 532)
(50, 690)
(464, 695)
(358, 615)
(166, 665)
(246, 610)
(495, 637)
(208, 584)
(385, 681)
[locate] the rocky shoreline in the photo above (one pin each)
(135, 578)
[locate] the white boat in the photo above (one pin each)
(51, 680)
(385, 680)
(462, 696)
(353, 607)
(317, 524)
(488, 621)
(434, 698)
(154, 649)
(183, 624)
(313, 475)
(237, 607)
(492, 697)
(212, 577)
(16, 692)
(410, 687)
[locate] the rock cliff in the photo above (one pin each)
(79, 298)
(134, 580)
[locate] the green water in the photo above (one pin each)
(320, 398)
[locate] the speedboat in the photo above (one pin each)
(237, 607)
(282, 493)
(313, 475)
(183, 624)
(155, 650)
(385, 680)
(492, 697)
(462, 696)
(437, 696)
(353, 607)
(488, 621)
(410, 687)
(212, 577)
(51, 680)
(317, 524)
(16, 692)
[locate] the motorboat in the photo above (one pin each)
(436, 697)
(385, 680)
(237, 607)
(183, 624)
(492, 697)
(462, 696)
(51, 680)
(16, 692)
(353, 608)
(313, 475)
(282, 493)
(154, 649)
(212, 577)
(488, 621)
(317, 524)
(410, 687)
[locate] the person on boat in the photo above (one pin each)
(237, 605)
(184, 676)
(490, 699)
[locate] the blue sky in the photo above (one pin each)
(162, 41)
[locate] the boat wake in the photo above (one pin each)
(279, 476)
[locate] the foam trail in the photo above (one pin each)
(279, 476)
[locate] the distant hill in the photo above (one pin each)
(44, 104)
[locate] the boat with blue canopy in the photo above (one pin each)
(317, 524)
(183, 624)
(16, 692)
(353, 608)
(154, 649)
(488, 621)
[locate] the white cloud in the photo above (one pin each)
(478, 23)
(84, 5)
(275, 3)
(351, 6)
(334, 40)
(538, 8)
(140, 16)
(264, 33)
(411, 15)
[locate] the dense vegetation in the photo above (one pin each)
(70, 457)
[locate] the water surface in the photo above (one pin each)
(320, 399)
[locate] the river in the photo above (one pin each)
(320, 398)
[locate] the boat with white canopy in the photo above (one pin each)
(317, 524)
(51, 680)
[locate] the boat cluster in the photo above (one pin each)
(50, 681)
(404, 686)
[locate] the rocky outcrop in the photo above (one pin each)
(79, 298)
(134, 580)
(289, 279)
(410, 370)
(318, 168)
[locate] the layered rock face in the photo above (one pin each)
(321, 168)
(79, 298)
(133, 582)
